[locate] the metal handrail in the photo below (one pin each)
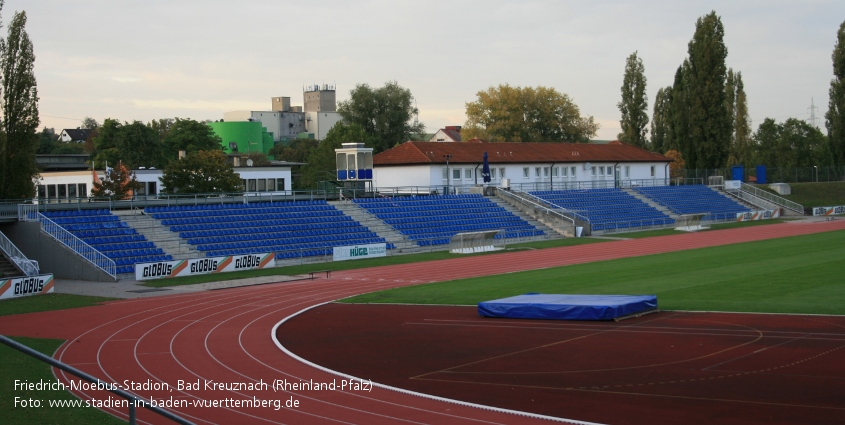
(777, 200)
(29, 267)
(68, 239)
(526, 199)
(133, 400)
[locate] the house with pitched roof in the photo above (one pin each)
(450, 133)
(74, 135)
(530, 166)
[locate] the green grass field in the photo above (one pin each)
(18, 366)
(47, 302)
(801, 274)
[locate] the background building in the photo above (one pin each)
(287, 122)
(532, 166)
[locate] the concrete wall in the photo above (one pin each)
(52, 256)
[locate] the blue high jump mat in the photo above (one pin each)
(569, 307)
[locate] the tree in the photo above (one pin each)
(190, 136)
(105, 143)
(321, 162)
(676, 167)
(387, 114)
(634, 104)
(118, 183)
(679, 108)
(201, 172)
(661, 120)
(90, 123)
(710, 126)
(47, 140)
(741, 151)
(517, 114)
(19, 139)
(139, 146)
(296, 150)
(835, 116)
(795, 143)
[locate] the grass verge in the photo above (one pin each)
(47, 302)
(19, 366)
(800, 274)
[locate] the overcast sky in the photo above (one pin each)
(150, 59)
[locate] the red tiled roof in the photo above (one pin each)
(417, 153)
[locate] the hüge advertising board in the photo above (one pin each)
(355, 252)
(197, 266)
(24, 286)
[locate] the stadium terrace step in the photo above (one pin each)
(432, 220)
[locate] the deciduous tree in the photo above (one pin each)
(201, 172)
(741, 151)
(118, 183)
(634, 104)
(190, 136)
(387, 114)
(835, 116)
(710, 126)
(661, 121)
(19, 138)
(529, 114)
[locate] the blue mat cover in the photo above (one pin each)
(567, 307)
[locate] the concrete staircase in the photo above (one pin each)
(375, 224)
(651, 202)
(550, 233)
(159, 234)
(8, 268)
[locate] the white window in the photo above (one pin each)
(565, 171)
(601, 170)
(572, 172)
(545, 171)
(492, 173)
(468, 174)
(456, 174)
(593, 170)
(525, 172)
(555, 171)
(502, 172)
(445, 174)
(627, 171)
(652, 170)
(537, 172)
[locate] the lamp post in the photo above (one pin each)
(447, 157)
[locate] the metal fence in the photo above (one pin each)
(776, 175)
(29, 212)
(132, 401)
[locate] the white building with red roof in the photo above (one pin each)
(532, 166)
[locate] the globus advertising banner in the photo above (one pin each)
(826, 211)
(758, 215)
(197, 266)
(24, 286)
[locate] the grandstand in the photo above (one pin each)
(433, 220)
(694, 199)
(106, 233)
(289, 229)
(607, 209)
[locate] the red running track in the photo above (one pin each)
(225, 337)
